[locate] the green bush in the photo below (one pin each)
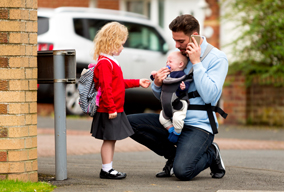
(259, 49)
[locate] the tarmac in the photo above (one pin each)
(253, 157)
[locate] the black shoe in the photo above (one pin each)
(110, 175)
(167, 170)
(217, 167)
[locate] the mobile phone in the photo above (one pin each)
(197, 38)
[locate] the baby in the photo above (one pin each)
(176, 62)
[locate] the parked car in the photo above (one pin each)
(75, 28)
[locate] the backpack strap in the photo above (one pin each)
(108, 61)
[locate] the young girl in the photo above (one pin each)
(110, 122)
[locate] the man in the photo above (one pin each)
(194, 150)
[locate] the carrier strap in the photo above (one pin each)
(209, 109)
(207, 51)
(193, 94)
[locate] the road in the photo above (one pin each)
(253, 158)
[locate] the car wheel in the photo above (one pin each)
(72, 100)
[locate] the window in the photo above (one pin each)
(140, 36)
(143, 37)
(88, 28)
(43, 25)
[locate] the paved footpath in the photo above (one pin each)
(79, 140)
(253, 158)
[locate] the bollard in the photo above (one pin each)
(60, 115)
(58, 67)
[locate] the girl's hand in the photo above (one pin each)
(112, 115)
(144, 83)
(161, 75)
(193, 51)
(182, 85)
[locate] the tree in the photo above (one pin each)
(259, 49)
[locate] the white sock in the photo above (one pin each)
(107, 167)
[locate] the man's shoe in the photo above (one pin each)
(217, 167)
(167, 170)
(112, 174)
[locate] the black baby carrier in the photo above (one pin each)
(170, 102)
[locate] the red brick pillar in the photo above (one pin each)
(213, 21)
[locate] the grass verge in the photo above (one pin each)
(20, 186)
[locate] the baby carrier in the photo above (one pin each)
(170, 102)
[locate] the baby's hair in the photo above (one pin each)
(109, 38)
(183, 58)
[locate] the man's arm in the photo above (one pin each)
(209, 82)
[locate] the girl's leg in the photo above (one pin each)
(107, 151)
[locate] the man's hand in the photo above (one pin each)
(144, 83)
(161, 75)
(112, 115)
(193, 51)
(154, 74)
(182, 85)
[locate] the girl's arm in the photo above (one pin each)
(130, 83)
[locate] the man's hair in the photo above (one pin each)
(185, 23)
(109, 38)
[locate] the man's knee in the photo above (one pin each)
(183, 173)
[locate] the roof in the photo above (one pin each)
(48, 11)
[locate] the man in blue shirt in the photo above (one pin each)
(195, 149)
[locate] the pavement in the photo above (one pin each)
(253, 157)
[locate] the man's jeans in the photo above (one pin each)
(192, 154)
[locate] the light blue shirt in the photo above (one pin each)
(208, 79)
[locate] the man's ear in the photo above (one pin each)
(195, 33)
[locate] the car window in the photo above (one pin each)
(88, 28)
(140, 36)
(43, 25)
(143, 37)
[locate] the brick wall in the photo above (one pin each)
(108, 4)
(234, 99)
(61, 3)
(105, 4)
(258, 104)
(265, 104)
(18, 90)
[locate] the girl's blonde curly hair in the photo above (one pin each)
(109, 38)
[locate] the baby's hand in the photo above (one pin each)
(112, 115)
(182, 85)
(144, 83)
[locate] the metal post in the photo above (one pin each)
(60, 115)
